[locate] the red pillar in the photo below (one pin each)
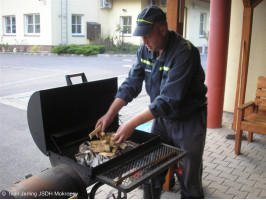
(217, 60)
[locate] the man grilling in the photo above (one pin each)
(174, 80)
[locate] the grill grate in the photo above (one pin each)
(123, 169)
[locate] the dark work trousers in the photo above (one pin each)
(188, 134)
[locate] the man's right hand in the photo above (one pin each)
(105, 120)
(108, 118)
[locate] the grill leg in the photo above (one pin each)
(94, 189)
(153, 195)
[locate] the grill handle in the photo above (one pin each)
(83, 78)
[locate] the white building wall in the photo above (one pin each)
(20, 9)
(89, 10)
(194, 9)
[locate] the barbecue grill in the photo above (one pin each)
(60, 119)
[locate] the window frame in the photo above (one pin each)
(10, 25)
(202, 24)
(77, 24)
(122, 25)
(33, 24)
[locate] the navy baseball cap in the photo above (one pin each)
(147, 18)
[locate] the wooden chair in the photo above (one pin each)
(251, 116)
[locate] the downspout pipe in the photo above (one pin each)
(217, 60)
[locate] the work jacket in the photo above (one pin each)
(174, 80)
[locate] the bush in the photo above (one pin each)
(119, 48)
(35, 48)
(76, 49)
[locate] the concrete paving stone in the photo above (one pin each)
(204, 174)
(237, 193)
(260, 184)
(229, 152)
(253, 152)
(232, 184)
(220, 187)
(228, 176)
(208, 192)
(263, 194)
(217, 156)
(263, 175)
(210, 136)
(206, 183)
(212, 171)
(252, 196)
(252, 168)
(171, 195)
(225, 149)
(261, 166)
(216, 179)
(255, 177)
(256, 157)
(232, 160)
(239, 167)
(220, 195)
(221, 162)
(244, 159)
(218, 151)
(207, 149)
(262, 152)
(227, 170)
(250, 145)
(241, 174)
(222, 144)
(206, 153)
(245, 181)
(251, 190)
(209, 164)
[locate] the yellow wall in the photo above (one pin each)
(110, 18)
(257, 61)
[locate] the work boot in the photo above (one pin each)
(147, 194)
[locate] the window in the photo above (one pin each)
(76, 24)
(152, 2)
(33, 24)
(202, 28)
(163, 3)
(10, 25)
(126, 25)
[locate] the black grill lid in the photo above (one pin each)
(59, 116)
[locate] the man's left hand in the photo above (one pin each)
(123, 133)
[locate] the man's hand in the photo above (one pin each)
(105, 120)
(108, 118)
(126, 130)
(123, 132)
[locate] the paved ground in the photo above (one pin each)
(225, 175)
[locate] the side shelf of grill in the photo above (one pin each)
(145, 164)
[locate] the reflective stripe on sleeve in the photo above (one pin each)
(188, 44)
(146, 62)
(164, 68)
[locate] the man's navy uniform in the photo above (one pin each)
(175, 84)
